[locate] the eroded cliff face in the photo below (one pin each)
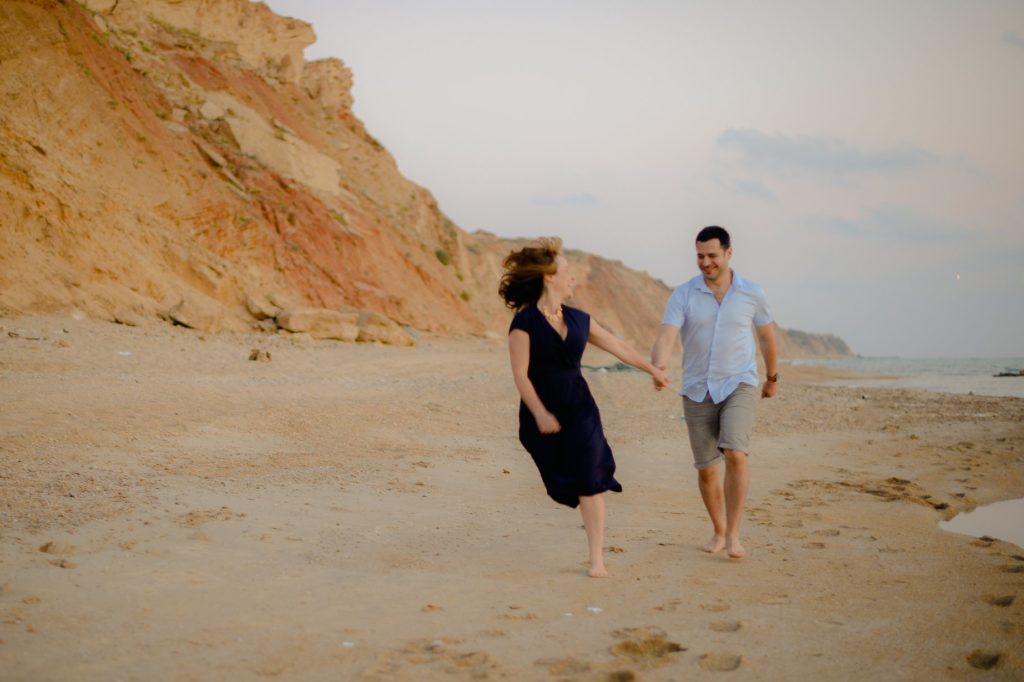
(160, 154)
(155, 151)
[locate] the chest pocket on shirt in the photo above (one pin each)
(701, 309)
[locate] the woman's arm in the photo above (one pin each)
(605, 340)
(519, 354)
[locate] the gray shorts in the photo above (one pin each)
(716, 428)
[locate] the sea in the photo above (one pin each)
(1003, 520)
(948, 375)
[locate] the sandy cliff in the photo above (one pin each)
(178, 159)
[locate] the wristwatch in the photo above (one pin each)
(772, 377)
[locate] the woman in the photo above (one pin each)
(559, 423)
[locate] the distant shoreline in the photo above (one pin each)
(944, 375)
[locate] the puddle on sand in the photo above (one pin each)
(1003, 520)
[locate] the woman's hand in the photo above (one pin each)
(547, 422)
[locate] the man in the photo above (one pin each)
(714, 313)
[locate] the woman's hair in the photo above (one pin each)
(523, 281)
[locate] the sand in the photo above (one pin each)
(172, 510)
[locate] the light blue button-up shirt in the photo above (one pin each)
(718, 342)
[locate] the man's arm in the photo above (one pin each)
(663, 345)
(766, 336)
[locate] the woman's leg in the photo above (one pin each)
(592, 510)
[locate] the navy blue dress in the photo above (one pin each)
(577, 460)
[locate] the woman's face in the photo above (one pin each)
(562, 282)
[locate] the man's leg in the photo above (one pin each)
(592, 510)
(737, 422)
(714, 501)
(703, 429)
(736, 481)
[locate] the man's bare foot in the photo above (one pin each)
(736, 550)
(598, 571)
(715, 545)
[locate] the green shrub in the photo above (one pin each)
(442, 256)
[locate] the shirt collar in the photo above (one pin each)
(737, 282)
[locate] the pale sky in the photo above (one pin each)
(862, 154)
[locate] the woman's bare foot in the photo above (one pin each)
(598, 571)
(715, 545)
(736, 550)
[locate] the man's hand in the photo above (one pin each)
(770, 389)
(660, 379)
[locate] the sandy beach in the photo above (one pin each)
(172, 510)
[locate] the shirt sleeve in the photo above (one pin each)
(675, 309)
(762, 313)
(519, 321)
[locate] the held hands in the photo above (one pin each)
(547, 423)
(660, 378)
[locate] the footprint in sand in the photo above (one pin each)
(761, 516)
(563, 666)
(720, 662)
(197, 518)
(442, 654)
(644, 645)
(493, 632)
(715, 607)
(59, 549)
(726, 625)
(1001, 601)
(830, 532)
(56, 547)
(63, 563)
(984, 660)
(670, 606)
(1013, 569)
(621, 676)
(814, 545)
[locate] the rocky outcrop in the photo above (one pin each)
(273, 144)
(797, 344)
(198, 312)
(329, 82)
(177, 160)
(320, 323)
(376, 328)
(263, 41)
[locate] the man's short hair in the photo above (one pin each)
(714, 232)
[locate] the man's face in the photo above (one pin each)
(712, 259)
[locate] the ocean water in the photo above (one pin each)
(1003, 520)
(948, 375)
